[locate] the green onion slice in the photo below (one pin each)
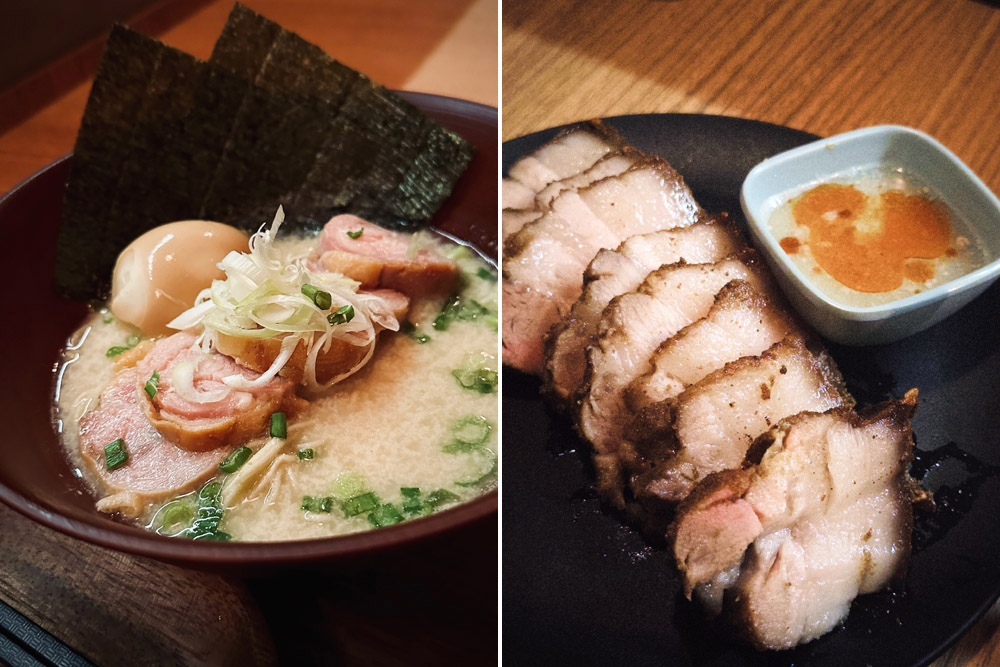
(366, 502)
(153, 384)
(356, 235)
(342, 315)
(279, 425)
(385, 515)
(471, 430)
(306, 454)
(236, 459)
(115, 454)
(321, 298)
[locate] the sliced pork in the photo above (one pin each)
(741, 323)
(382, 258)
(612, 164)
(710, 425)
(156, 469)
(615, 272)
(781, 548)
(570, 152)
(544, 262)
(632, 327)
(193, 408)
(515, 195)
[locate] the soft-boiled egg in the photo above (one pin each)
(159, 275)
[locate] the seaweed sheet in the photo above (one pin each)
(268, 120)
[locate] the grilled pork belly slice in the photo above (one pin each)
(741, 323)
(570, 152)
(781, 548)
(515, 195)
(612, 164)
(631, 328)
(710, 425)
(514, 218)
(544, 262)
(615, 272)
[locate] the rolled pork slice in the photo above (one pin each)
(781, 548)
(741, 323)
(632, 327)
(544, 262)
(156, 469)
(710, 425)
(622, 270)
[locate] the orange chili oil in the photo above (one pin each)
(871, 243)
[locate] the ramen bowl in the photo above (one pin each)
(888, 152)
(37, 480)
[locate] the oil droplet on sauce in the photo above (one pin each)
(871, 243)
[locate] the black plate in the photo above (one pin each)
(580, 588)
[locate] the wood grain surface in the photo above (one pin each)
(431, 603)
(823, 66)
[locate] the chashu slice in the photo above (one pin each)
(544, 262)
(782, 548)
(632, 327)
(570, 152)
(513, 218)
(741, 323)
(622, 270)
(710, 425)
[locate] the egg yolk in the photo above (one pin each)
(159, 275)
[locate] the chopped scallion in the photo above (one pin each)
(472, 430)
(115, 454)
(312, 504)
(322, 299)
(130, 342)
(236, 459)
(410, 329)
(483, 380)
(359, 504)
(342, 315)
(153, 384)
(306, 454)
(384, 515)
(279, 425)
(356, 235)
(486, 274)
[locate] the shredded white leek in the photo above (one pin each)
(261, 298)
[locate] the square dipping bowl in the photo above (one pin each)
(845, 158)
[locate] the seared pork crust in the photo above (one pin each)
(710, 425)
(544, 262)
(571, 151)
(631, 328)
(616, 272)
(783, 546)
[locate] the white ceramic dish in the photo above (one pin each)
(775, 180)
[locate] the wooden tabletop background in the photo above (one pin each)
(432, 604)
(823, 66)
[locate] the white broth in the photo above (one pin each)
(410, 433)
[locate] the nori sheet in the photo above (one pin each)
(268, 120)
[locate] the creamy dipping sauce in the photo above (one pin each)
(875, 237)
(410, 433)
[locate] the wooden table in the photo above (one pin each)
(433, 604)
(824, 66)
